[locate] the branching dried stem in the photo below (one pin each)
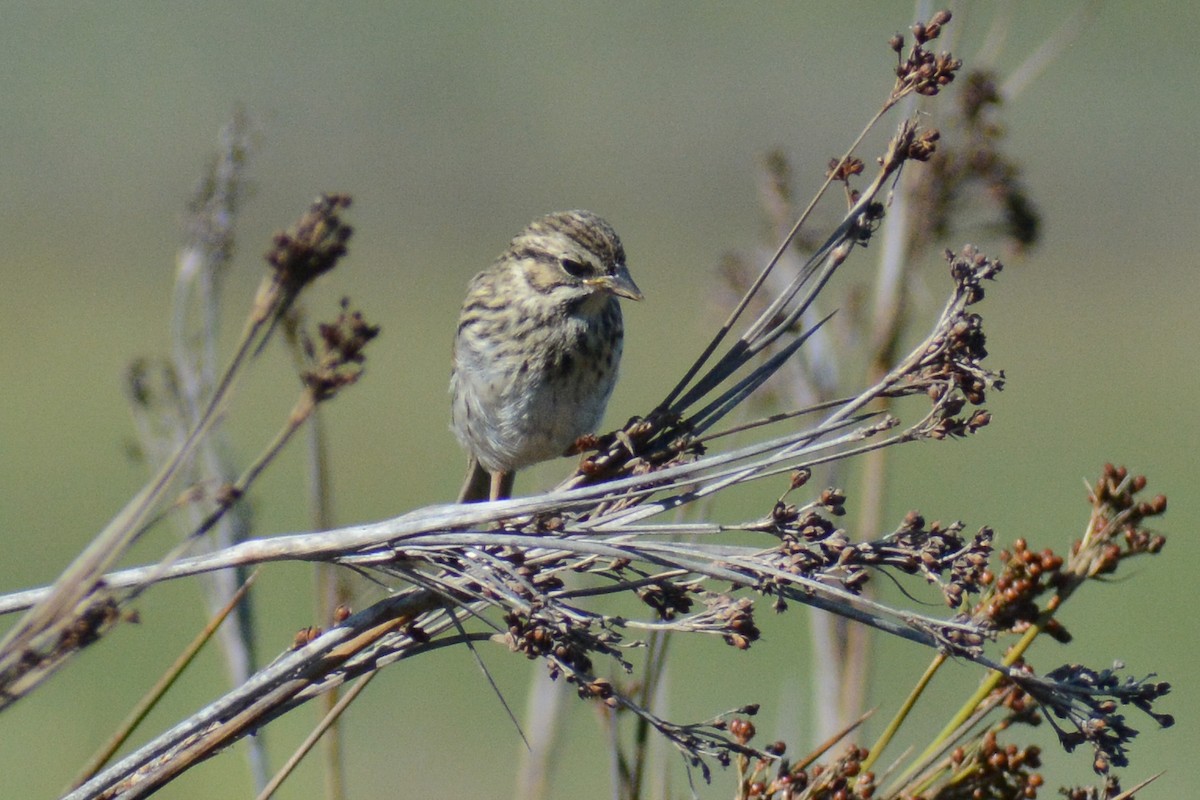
(510, 558)
(968, 759)
(81, 608)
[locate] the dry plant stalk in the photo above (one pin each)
(530, 573)
(80, 608)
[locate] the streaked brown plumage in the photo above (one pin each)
(538, 345)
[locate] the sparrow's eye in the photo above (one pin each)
(576, 269)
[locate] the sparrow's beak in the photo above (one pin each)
(619, 283)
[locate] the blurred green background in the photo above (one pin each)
(453, 124)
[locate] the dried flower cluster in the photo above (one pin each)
(312, 246)
(777, 778)
(1033, 585)
(922, 71)
(338, 363)
(812, 546)
(950, 371)
(991, 770)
